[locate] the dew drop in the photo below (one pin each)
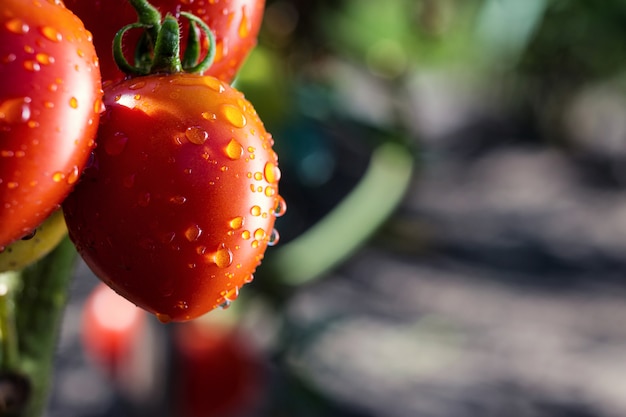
(233, 115)
(73, 175)
(44, 59)
(182, 305)
(258, 176)
(245, 234)
(178, 200)
(225, 304)
(73, 103)
(17, 26)
(234, 150)
(281, 207)
(272, 173)
(214, 84)
(193, 233)
(114, 145)
(31, 65)
(248, 279)
(232, 294)
(270, 191)
(196, 135)
(259, 234)
(255, 211)
(223, 257)
(209, 116)
(51, 34)
(236, 223)
(274, 238)
(15, 110)
(138, 85)
(58, 176)
(244, 25)
(163, 318)
(255, 244)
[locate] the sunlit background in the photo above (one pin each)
(455, 239)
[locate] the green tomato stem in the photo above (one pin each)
(167, 48)
(158, 50)
(9, 353)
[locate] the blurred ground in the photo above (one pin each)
(496, 290)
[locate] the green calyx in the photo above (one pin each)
(158, 50)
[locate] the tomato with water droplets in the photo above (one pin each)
(235, 24)
(50, 103)
(178, 206)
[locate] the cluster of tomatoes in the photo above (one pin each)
(167, 179)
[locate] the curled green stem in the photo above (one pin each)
(158, 50)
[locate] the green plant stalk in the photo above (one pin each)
(39, 309)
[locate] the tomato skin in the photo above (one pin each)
(235, 24)
(50, 100)
(179, 205)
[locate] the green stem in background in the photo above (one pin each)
(343, 230)
(9, 354)
(31, 308)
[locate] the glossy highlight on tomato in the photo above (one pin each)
(50, 101)
(179, 204)
(235, 24)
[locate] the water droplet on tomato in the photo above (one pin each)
(248, 279)
(31, 65)
(255, 210)
(232, 294)
(58, 176)
(244, 24)
(270, 191)
(245, 234)
(281, 207)
(272, 173)
(193, 232)
(17, 26)
(178, 199)
(274, 238)
(196, 135)
(51, 34)
(98, 106)
(163, 318)
(209, 116)
(236, 223)
(223, 257)
(234, 150)
(233, 115)
(258, 176)
(114, 145)
(15, 110)
(225, 304)
(259, 234)
(182, 305)
(44, 59)
(73, 175)
(213, 83)
(138, 85)
(73, 102)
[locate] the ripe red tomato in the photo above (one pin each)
(50, 100)
(111, 328)
(235, 24)
(178, 207)
(218, 371)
